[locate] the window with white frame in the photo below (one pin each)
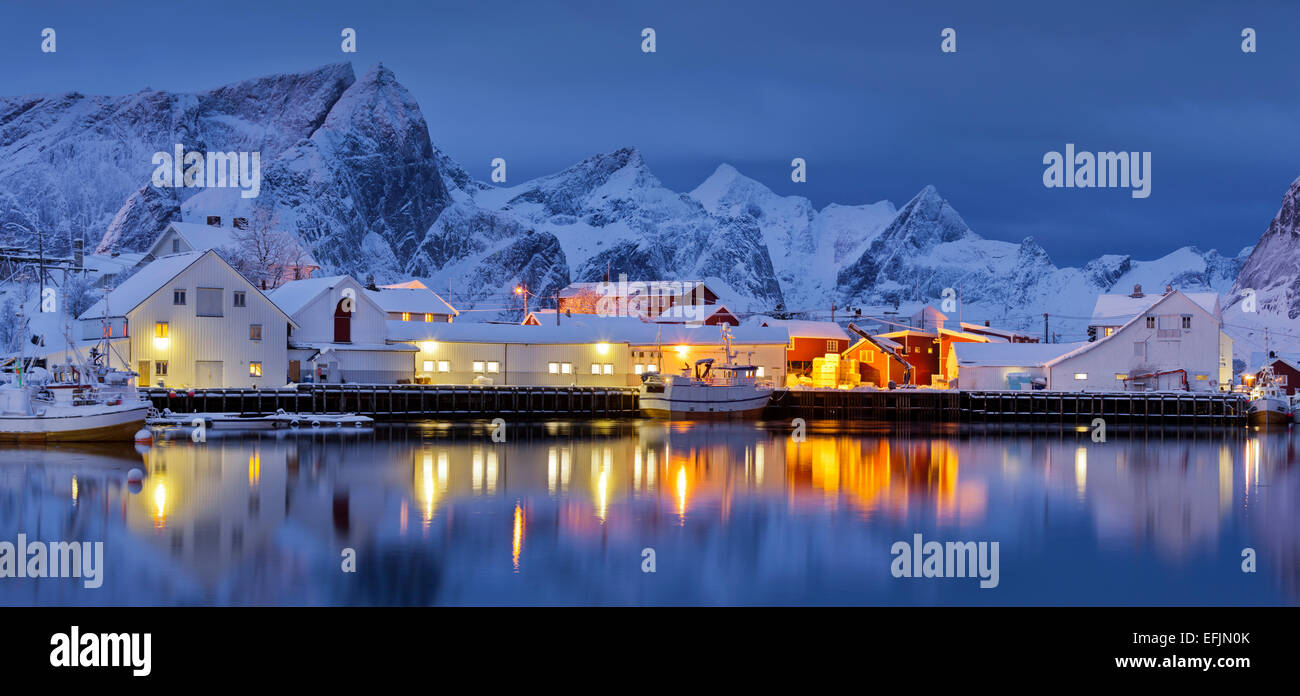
(595, 368)
(832, 346)
(1081, 375)
(444, 366)
(553, 368)
(493, 367)
(759, 371)
(652, 368)
(638, 369)
(608, 368)
(428, 366)
(479, 366)
(566, 368)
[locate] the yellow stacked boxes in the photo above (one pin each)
(849, 375)
(826, 371)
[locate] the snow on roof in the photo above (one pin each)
(295, 294)
(632, 288)
(893, 345)
(202, 237)
(964, 335)
(677, 314)
(1114, 310)
(1086, 346)
(143, 284)
(799, 328)
(1011, 354)
(980, 328)
(587, 329)
(408, 285)
(910, 332)
(414, 300)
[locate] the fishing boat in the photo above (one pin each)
(1269, 403)
(709, 392)
(260, 421)
(90, 401)
(33, 409)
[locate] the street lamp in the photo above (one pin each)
(521, 290)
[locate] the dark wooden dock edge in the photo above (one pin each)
(419, 402)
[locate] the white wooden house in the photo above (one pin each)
(341, 334)
(1169, 342)
(190, 320)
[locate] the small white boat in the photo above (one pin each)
(1269, 404)
(725, 392)
(260, 421)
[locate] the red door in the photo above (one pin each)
(342, 323)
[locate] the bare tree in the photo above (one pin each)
(267, 255)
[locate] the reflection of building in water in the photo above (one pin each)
(1173, 493)
(891, 475)
(1271, 459)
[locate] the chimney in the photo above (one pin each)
(214, 220)
(1169, 289)
(1137, 291)
(986, 322)
(370, 282)
(240, 223)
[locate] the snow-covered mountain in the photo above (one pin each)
(348, 163)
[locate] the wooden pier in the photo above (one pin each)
(399, 402)
(1051, 408)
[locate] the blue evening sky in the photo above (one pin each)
(859, 89)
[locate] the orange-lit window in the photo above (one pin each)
(161, 330)
(428, 317)
(406, 316)
(254, 369)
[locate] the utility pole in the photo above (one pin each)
(1047, 338)
(832, 312)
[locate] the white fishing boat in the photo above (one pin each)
(1269, 403)
(90, 402)
(34, 410)
(723, 392)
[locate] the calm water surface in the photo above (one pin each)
(735, 514)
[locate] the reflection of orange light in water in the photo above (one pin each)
(517, 542)
(681, 492)
(1081, 471)
(876, 473)
(74, 490)
(429, 482)
(254, 468)
(160, 505)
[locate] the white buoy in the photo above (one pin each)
(134, 476)
(144, 436)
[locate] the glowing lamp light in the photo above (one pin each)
(428, 346)
(519, 289)
(681, 350)
(162, 342)
(602, 348)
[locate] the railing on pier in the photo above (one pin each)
(1063, 408)
(407, 401)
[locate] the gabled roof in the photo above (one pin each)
(155, 276)
(413, 300)
(1163, 298)
(711, 311)
(296, 294)
(973, 337)
(1114, 310)
(799, 328)
(142, 285)
(408, 285)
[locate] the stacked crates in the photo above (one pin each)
(826, 371)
